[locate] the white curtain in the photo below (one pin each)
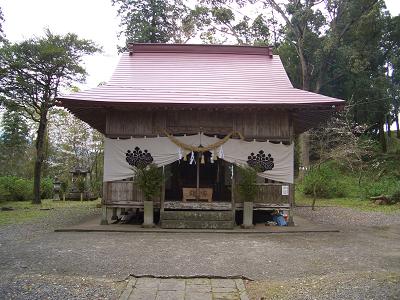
(165, 152)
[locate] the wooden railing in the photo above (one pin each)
(127, 193)
(268, 193)
(124, 192)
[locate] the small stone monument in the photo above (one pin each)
(80, 185)
(56, 189)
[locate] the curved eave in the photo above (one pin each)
(304, 115)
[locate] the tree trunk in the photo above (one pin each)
(304, 139)
(320, 78)
(153, 29)
(382, 137)
(314, 197)
(397, 125)
(39, 156)
(304, 144)
(388, 123)
(304, 69)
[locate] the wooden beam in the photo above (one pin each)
(233, 196)
(162, 198)
(198, 177)
(291, 186)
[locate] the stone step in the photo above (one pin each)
(197, 215)
(185, 224)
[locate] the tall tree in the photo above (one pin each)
(14, 143)
(31, 75)
(316, 33)
(73, 144)
(335, 48)
(392, 47)
(361, 61)
(154, 21)
(1, 26)
(220, 21)
(214, 21)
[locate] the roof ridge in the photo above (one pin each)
(199, 48)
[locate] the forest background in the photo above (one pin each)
(340, 48)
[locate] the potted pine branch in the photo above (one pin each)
(149, 179)
(248, 189)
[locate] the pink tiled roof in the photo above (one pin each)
(199, 74)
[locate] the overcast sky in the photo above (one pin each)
(92, 19)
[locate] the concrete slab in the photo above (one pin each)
(224, 289)
(170, 295)
(147, 283)
(149, 288)
(226, 296)
(198, 281)
(224, 283)
(198, 296)
(143, 294)
(198, 288)
(172, 285)
(302, 226)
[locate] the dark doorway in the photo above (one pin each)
(212, 174)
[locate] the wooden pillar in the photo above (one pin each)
(162, 198)
(103, 202)
(306, 160)
(291, 204)
(304, 142)
(198, 177)
(233, 200)
(114, 214)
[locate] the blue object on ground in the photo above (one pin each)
(279, 219)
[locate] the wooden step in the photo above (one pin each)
(180, 224)
(197, 215)
(179, 205)
(197, 219)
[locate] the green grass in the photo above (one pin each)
(355, 203)
(393, 143)
(25, 211)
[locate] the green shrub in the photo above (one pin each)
(64, 187)
(96, 188)
(46, 188)
(324, 180)
(247, 183)
(15, 188)
(149, 180)
(4, 190)
(395, 197)
(385, 186)
(80, 184)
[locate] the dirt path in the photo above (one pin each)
(38, 263)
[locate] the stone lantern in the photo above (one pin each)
(56, 189)
(77, 191)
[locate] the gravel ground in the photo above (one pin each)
(347, 217)
(37, 263)
(350, 285)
